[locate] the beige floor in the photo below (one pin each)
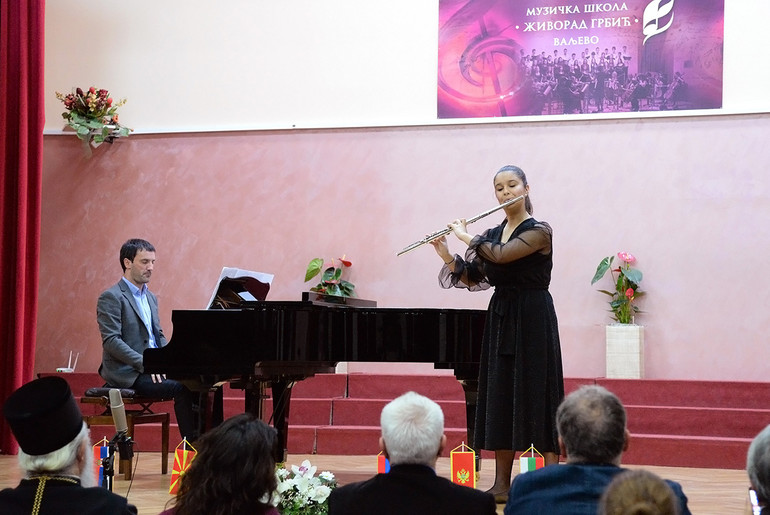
(710, 491)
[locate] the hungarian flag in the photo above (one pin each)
(531, 462)
(182, 459)
(462, 462)
(101, 451)
(383, 465)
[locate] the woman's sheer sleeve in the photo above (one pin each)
(467, 273)
(536, 239)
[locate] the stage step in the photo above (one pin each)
(707, 424)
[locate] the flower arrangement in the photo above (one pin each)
(301, 492)
(331, 280)
(626, 286)
(93, 114)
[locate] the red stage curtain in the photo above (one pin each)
(22, 116)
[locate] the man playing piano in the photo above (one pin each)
(127, 314)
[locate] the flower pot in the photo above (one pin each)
(625, 351)
(336, 300)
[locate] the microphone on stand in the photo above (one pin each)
(121, 438)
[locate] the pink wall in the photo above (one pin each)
(688, 196)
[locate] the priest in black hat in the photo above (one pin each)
(55, 454)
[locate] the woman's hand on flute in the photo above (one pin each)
(442, 248)
(460, 229)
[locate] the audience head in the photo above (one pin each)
(412, 430)
(48, 425)
(638, 492)
(592, 426)
(131, 247)
(233, 471)
(758, 465)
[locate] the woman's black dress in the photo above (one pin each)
(521, 381)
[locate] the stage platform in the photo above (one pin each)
(700, 424)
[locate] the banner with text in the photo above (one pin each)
(533, 58)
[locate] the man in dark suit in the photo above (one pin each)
(55, 455)
(412, 439)
(127, 315)
(591, 422)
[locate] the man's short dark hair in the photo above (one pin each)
(592, 424)
(131, 247)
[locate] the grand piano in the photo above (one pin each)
(276, 344)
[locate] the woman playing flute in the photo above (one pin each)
(520, 378)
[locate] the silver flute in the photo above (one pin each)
(442, 232)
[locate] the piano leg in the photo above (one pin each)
(281, 389)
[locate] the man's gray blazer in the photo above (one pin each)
(124, 335)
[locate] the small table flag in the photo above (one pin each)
(101, 451)
(383, 464)
(531, 462)
(182, 459)
(462, 462)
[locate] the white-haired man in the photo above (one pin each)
(412, 439)
(55, 455)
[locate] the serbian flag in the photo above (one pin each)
(101, 451)
(383, 464)
(531, 462)
(183, 456)
(462, 461)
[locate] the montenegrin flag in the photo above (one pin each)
(531, 462)
(462, 462)
(182, 459)
(101, 451)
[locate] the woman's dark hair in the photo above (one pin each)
(522, 177)
(233, 472)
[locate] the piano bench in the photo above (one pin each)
(141, 414)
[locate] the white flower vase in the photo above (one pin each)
(625, 351)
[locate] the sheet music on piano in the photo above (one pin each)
(237, 288)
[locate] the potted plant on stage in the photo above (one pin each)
(624, 338)
(332, 288)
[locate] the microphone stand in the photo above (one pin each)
(125, 446)
(108, 465)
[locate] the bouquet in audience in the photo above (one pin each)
(301, 492)
(93, 114)
(626, 280)
(331, 280)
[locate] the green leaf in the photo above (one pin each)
(633, 275)
(602, 268)
(313, 268)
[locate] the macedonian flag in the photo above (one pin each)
(462, 462)
(183, 456)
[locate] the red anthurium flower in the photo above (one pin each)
(346, 262)
(630, 293)
(625, 256)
